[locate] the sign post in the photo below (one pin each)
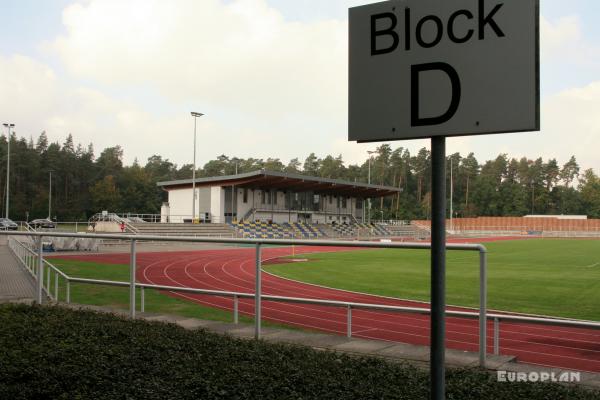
(435, 69)
(438, 266)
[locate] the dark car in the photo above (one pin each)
(42, 223)
(7, 224)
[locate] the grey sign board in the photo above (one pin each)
(423, 68)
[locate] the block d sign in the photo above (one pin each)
(423, 68)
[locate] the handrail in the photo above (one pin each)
(30, 259)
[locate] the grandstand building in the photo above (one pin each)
(270, 197)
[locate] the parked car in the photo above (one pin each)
(8, 224)
(42, 223)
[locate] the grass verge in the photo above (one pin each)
(118, 297)
(56, 353)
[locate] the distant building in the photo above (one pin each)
(270, 196)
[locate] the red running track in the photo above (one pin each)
(233, 270)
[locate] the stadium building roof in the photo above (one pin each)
(264, 179)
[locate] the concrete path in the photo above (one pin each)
(15, 281)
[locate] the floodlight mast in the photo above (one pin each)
(8, 125)
(195, 115)
(50, 196)
(370, 152)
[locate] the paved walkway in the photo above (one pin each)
(15, 282)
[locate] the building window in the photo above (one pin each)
(275, 197)
(344, 202)
(330, 200)
(245, 196)
(359, 204)
(263, 195)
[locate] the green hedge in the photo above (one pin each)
(57, 353)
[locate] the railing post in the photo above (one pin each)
(496, 336)
(48, 282)
(68, 291)
(142, 300)
(40, 273)
(257, 294)
(349, 321)
(132, 280)
(56, 286)
(236, 319)
(482, 307)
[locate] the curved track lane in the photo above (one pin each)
(233, 270)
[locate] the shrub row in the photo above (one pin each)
(57, 353)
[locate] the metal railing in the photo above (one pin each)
(34, 263)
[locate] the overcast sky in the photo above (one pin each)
(270, 75)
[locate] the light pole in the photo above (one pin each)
(50, 196)
(8, 165)
(451, 193)
(195, 115)
(532, 196)
(369, 199)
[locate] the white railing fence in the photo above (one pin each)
(29, 252)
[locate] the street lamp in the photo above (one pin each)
(369, 199)
(50, 195)
(451, 196)
(195, 115)
(8, 165)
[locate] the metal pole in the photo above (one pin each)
(369, 199)
(235, 309)
(8, 167)
(50, 197)
(40, 273)
(132, 281)
(496, 336)
(194, 178)
(257, 294)
(68, 291)
(451, 195)
(56, 286)
(482, 307)
(142, 300)
(349, 322)
(438, 266)
(48, 282)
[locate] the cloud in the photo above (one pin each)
(240, 55)
(562, 41)
(572, 124)
(558, 36)
(131, 71)
(268, 87)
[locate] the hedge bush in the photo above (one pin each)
(58, 353)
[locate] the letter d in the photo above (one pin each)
(415, 70)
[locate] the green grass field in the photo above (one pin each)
(118, 297)
(541, 276)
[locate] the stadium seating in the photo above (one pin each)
(262, 230)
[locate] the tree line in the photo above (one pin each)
(84, 184)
